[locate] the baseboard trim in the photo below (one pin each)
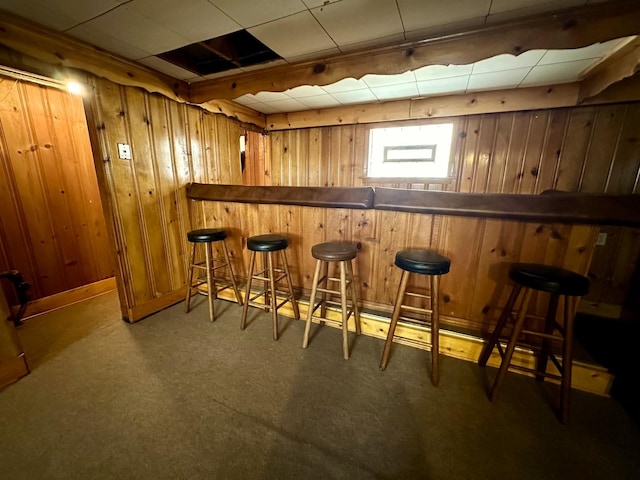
(68, 297)
(152, 306)
(589, 378)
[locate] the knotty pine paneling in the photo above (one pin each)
(52, 227)
(172, 144)
(586, 149)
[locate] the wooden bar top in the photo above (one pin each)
(330, 197)
(554, 207)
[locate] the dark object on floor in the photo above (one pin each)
(21, 287)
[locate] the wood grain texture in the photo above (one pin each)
(52, 227)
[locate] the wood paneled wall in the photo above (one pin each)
(588, 149)
(52, 227)
(172, 144)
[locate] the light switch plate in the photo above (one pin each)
(124, 151)
(602, 239)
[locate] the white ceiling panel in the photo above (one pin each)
(508, 62)
(386, 80)
(556, 73)
(250, 13)
(355, 96)
(294, 35)
(288, 105)
(314, 55)
(320, 101)
(104, 40)
(592, 51)
(420, 14)
(501, 6)
(433, 72)
(135, 29)
(391, 39)
(247, 99)
(390, 92)
(345, 85)
(495, 80)
(357, 21)
(443, 86)
(47, 15)
(319, 3)
(268, 97)
(460, 26)
(265, 108)
(166, 68)
(81, 10)
(305, 91)
(195, 20)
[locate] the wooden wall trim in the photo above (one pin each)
(329, 197)
(570, 28)
(579, 208)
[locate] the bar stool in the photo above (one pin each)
(206, 237)
(423, 262)
(529, 277)
(326, 253)
(270, 275)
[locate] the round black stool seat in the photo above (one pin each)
(267, 243)
(424, 262)
(334, 251)
(549, 279)
(205, 235)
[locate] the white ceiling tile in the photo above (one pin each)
(460, 26)
(81, 10)
(314, 55)
(268, 97)
(318, 3)
(260, 66)
(166, 68)
(104, 40)
(377, 42)
(345, 85)
(404, 90)
(293, 36)
(289, 105)
(265, 108)
(508, 62)
(47, 15)
(249, 14)
(357, 21)
(319, 101)
(355, 96)
(246, 99)
(420, 14)
(496, 80)
(195, 20)
(443, 86)
(556, 73)
(592, 51)
(387, 80)
(305, 91)
(432, 72)
(137, 30)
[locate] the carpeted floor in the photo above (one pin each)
(177, 397)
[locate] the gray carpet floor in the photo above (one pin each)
(178, 397)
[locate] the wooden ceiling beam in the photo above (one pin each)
(571, 28)
(622, 64)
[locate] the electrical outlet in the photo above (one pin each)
(602, 239)
(124, 151)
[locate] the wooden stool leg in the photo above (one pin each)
(567, 359)
(234, 284)
(274, 298)
(190, 278)
(541, 364)
(245, 306)
(354, 298)
(294, 304)
(345, 312)
(265, 283)
(517, 328)
(394, 319)
(211, 291)
(323, 304)
(312, 299)
(502, 321)
(435, 330)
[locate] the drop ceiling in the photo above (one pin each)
(295, 30)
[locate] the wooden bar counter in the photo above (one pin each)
(481, 234)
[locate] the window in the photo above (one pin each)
(410, 152)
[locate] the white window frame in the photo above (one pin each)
(428, 148)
